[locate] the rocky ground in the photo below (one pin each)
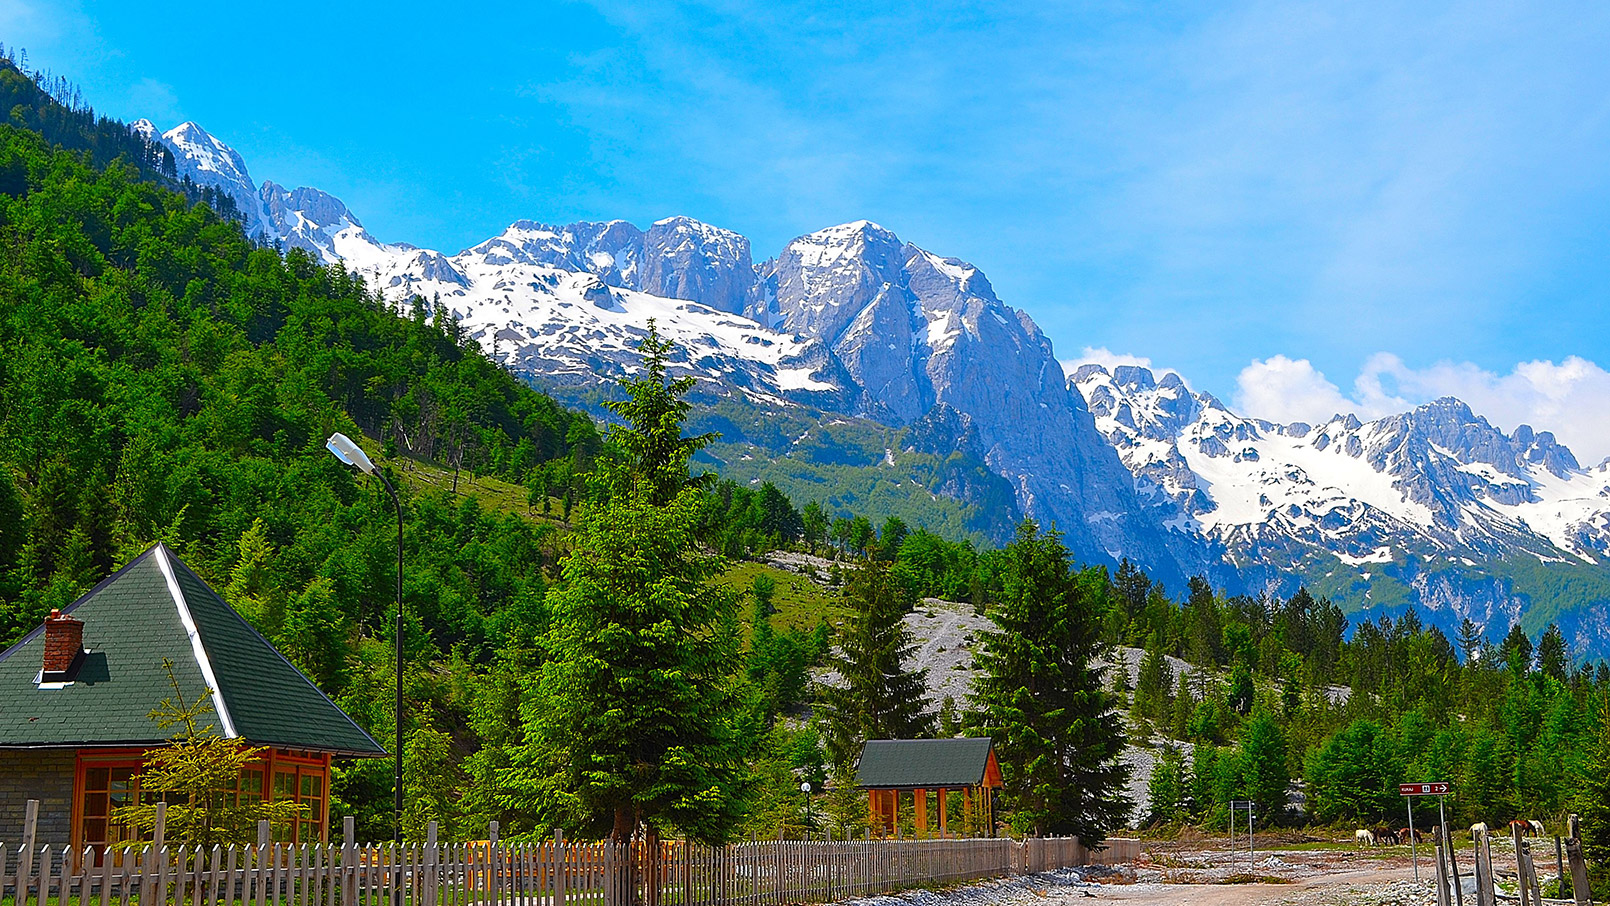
(1295, 870)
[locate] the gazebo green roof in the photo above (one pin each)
(153, 609)
(923, 763)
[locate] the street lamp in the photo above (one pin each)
(810, 818)
(353, 455)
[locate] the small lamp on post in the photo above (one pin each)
(353, 455)
(810, 817)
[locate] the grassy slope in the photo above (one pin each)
(801, 603)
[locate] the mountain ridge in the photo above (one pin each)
(851, 320)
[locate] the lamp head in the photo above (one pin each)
(349, 452)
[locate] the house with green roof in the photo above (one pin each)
(76, 694)
(930, 772)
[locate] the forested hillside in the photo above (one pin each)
(165, 380)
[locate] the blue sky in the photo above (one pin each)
(1302, 207)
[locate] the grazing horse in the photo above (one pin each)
(1525, 828)
(1385, 835)
(1479, 827)
(1538, 829)
(1411, 834)
(1362, 837)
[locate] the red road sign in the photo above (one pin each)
(1424, 789)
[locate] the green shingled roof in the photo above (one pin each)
(922, 763)
(156, 608)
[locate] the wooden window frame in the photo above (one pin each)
(298, 762)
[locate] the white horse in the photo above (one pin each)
(1363, 837)
(1537, 828)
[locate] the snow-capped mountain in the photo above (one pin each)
(1421, 497)
(1433, 507)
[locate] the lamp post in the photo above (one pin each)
(810, 817)
(353, 455)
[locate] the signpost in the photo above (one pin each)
(1409, 791)
(1246, 804)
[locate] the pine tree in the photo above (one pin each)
(630, 724)
(1043, 701)
(1551, 655)
(879, 698)
(1154, 684)
(1469, 638)
(1265, 776)
(1204, 645)
(1516, 650)
(1167, 791)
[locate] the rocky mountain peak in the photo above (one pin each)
(205, 160)
(686, 259)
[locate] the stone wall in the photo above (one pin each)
(43, 774)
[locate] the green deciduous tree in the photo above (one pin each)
(1041, 696)
(1353, 775)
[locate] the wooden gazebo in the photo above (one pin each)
(892, 768)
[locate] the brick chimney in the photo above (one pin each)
(64, 642)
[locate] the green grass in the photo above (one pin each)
(493, 494)
(800, 603)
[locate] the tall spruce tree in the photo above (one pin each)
(1265, 776)
(1470, 638)
(1042, 699)
(1155, 682)
(630, 723)
(879, 698)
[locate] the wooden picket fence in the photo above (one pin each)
(550, 873)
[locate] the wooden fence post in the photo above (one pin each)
(1520, 866)
(1559, 865)
(492, 886)
(1579, 866)
(25, 859)
(30, 824)
(433, 865)
(559, 863)
(1486, 893)
(1442, 872)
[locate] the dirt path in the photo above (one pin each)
(1344, 886)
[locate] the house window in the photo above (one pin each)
(106, 787)
(108, 782)
(304, 784)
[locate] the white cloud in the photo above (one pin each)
(1288, 390)
(1570, 398)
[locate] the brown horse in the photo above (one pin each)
(1411, 834)
(1525, 827)
(1384, 835)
